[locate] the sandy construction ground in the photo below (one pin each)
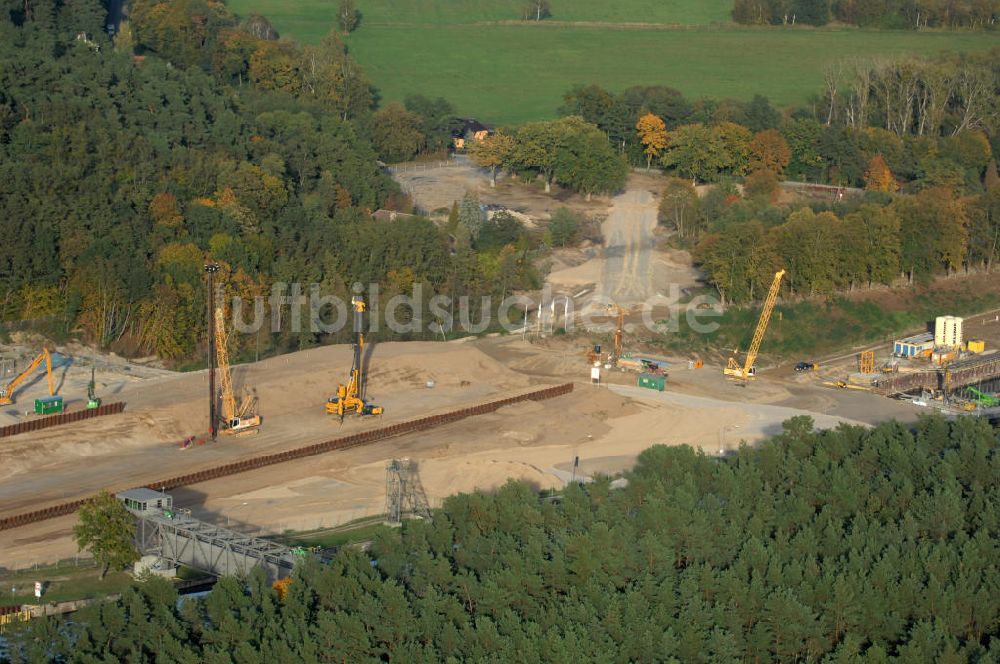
(606, 427)
(52, 465)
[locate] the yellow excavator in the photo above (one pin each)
(236, 420)
(748, 371)
(350, 398)
(7, 393)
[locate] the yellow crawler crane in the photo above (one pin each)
(236, 420)
(7, 393)
(747, 371)
(350, 398)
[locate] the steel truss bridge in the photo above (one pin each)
(177, 538)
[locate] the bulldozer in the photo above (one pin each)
(350, 398)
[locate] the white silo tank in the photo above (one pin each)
(956, 332)
(940, 337)
(948, 332)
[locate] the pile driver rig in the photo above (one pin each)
(350, 398)
(747, 371)
(7, 393)
(235, 420)
(93, 401)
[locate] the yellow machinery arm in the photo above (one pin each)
(236, 421)
(7, 394)
(350, 398)
(747, 370)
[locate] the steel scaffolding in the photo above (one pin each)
(404, 494)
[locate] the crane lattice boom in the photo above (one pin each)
(236, 420)
(747, 370)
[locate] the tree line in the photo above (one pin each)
(826, 248)
(888, 14)
(931, 120)
(852, 544)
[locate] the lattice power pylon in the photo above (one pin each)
(404, 494)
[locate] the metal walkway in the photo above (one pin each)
(179, 539)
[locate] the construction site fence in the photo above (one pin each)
(8, 617)
(63, 418)
(343, 443)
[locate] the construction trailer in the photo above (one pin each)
(748, 370)
(919, 345)
(350, 398)
(656, 382)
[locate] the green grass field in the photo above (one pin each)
(513, 73)
(308, 20)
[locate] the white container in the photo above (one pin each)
(948, 331)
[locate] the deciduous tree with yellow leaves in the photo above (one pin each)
(878, 177)
(653, 134)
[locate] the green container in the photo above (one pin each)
(652, 382)
(48, 405)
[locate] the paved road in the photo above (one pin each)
(629, 250)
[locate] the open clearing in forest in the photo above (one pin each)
(515, 72)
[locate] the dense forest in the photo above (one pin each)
(196, 136)
(848, 545)
(889, 14)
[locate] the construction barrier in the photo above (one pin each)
(346, 442)
(63, 418)
(13, 614)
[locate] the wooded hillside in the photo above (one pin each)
(195, 137)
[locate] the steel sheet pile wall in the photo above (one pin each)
(64, 418)
(968, 372)
(346, 442)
